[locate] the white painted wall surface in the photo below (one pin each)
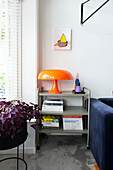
(91, 55)
(30, 42)
(92, 52)
(30, 64)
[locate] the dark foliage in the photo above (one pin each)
(13, 115)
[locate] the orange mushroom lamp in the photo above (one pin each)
(55, 74)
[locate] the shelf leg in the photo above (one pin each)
(37, 141)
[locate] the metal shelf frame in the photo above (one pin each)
(68, 110)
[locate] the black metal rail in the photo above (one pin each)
(82, 5)
(17, 158)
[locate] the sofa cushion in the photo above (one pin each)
(108, 101)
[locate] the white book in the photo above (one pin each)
(53, 101)
(53, 104)
(50, 124)
(52, 108)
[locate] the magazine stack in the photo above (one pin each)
(50, 121)
(52, 105)
(72, 122)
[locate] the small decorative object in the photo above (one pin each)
(77, 80)
(55, 74)
(62, 39)
(78, 88)
(92, 164)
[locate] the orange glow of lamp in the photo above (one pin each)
(55, 75)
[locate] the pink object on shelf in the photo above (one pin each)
(77, 76)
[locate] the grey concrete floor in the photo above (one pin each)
(56, 153)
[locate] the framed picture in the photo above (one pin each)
(62, 39)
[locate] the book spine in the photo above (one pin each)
(50, 120)
(53, 104)
(52, 108)
(53, 101)
(71, 116)
(50, 124)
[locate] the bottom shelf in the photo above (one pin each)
(85, 131)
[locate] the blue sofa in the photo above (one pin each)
(101, 132)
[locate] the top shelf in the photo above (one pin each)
(64, 93)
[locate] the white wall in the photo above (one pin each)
(30, 62)
(92, 53)
(30, 57)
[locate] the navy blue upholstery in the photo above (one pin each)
(101, 132)
(108, 101)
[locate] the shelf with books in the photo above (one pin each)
(55, 104)
(72, 110)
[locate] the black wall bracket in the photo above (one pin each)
(82, 5)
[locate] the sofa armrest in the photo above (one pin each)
(101, 133)
(108, 101)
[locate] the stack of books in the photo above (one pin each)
(52, 105)
(72, 122)
(50, 121)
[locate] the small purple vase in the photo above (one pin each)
(78, 88)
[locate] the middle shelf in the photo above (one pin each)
(68, 110)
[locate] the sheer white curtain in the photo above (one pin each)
(10, 49)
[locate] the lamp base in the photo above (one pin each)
(54, 89)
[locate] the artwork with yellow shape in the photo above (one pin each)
(65, 39)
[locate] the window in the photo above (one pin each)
(10, 49)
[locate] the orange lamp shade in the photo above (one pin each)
(55, 74)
